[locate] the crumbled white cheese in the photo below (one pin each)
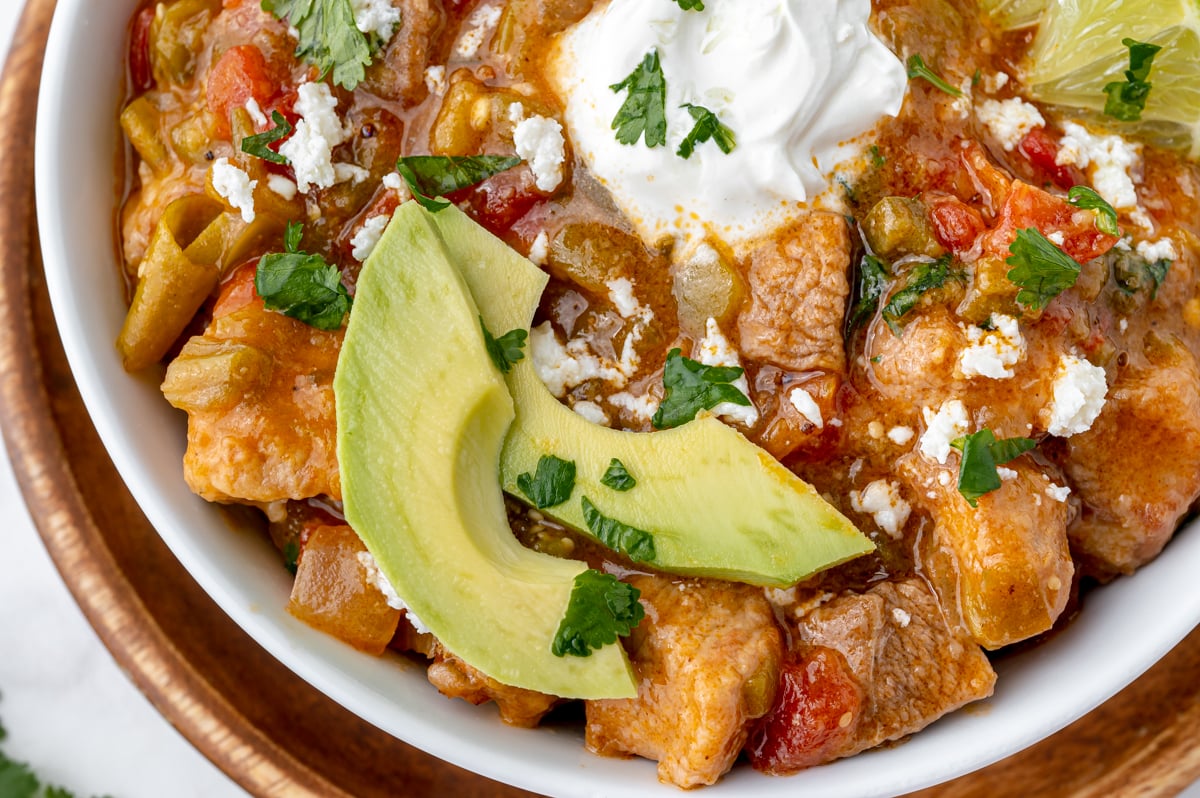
(435, 79)
(282, 186)
(256, 113)
(379, 17)
(806, 406)
(591, 411)
(393, 181)
(235, 186)
(368, 235)
(900, 435)
(1009, 120)
(310, 148)
(992, 353)
(561, 367)
(480, 24)
(715, 350)
(1078, 396)
(642, 407)
(376, 578)
(539, 141)
(1005, 474)
(1162, 249)
(902, 618)
(348, 171)
(882, 500)
(941, 428)
(1058, 492)
(1111, 159)
(1057, 238)
(944, 478)
(1123, 325)
(539, 250)
(993, 83)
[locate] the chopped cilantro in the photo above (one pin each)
(328, 37)
(918, 69)
(1088, 199)
(636, 544)
(504, 351)
(618, 477)
(877, 159)
(291, 556)
(689, 387)
(922, 278)
(301, 285)
(691, 5)
(872, 284)
(1040, 269)
(644, 111)
(601, 609)
(981, 454)
(1127, 98)
(1157, 272)
(431, 177)
(16, 779)
(550, 484)
(1131, 272)
(256, 145)
(707, 126)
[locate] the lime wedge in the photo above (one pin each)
(1078, 50)
(1012, 14)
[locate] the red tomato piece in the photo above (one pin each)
(1028, 207)
(955, 223)
(816, 712)
(239, 75)
(1040, 148)
(140, 73)
(238, 290)
(498, 202)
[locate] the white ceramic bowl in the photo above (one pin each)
(1038, 692)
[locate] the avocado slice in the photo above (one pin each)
(421, 416)
(715, 504)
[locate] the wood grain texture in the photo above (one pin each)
(267, 729)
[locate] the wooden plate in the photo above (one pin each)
(267, 729)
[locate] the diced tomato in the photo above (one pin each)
(502, 199)
(1040, 148)
(239, 75)
(816, 712)
(139, 50)
(1028, 207)
(238, 290)
(955, 223)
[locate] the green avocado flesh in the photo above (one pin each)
(715, 504)
(421, 416)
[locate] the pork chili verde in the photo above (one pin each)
(952, 341)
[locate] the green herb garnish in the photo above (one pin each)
(1088, 199)
(601, 609)
(690, 386)
(644, 110)
(328, 37)
(291, 556)
(256, 145)
(691, 5)
(872, 285)
(922, 278)
(550, 484)
(707, 126)
(981, 454)
(618, 477)
(504, 351)
(877, 158)
(1127, 98)
(1157, 272)
(636, 544)
(301, 285)
(431, 177)
(918, 69)
(1040, 269)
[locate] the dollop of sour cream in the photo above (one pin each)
(795, 80)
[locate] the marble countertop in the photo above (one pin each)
(69, 711)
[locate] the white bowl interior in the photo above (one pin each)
(1039, 691)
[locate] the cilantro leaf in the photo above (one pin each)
(917, 69)
(550, 484)
(1157, 272)
(707, 126)
(431, 177)
(16, 779)
(872, 284)
(618, 477)
(1127, 98)
(1040, 269)
(1131, 272)
(644, 111)
(690, 386)
(636, 544)
(1088, 199)
(691, 5)
(256, 145)
(981, 454)
(923, 277)
(301, 285)
(328, 38)
(291, 556)
(601, 609)
(504, 351)
(877, 157)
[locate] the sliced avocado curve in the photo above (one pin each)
(421, 417)
(715, 504)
